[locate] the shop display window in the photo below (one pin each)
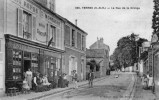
(34, 63)
(17, 64)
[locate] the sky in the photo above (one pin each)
(111, 24)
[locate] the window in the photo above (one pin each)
(78, 40)
(73, 38)
(67, 35)
(53, 35)
(50, 65)
(17, 64)
(34, 63)
(83, 42)
(27, 26)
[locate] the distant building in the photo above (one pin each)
(99, 44)
(100, 53)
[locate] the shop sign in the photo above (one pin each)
(41, 31)
(43, 2)
(22, 47)
(30, 7)
(53, 20)
(19, 2)
(27, 5)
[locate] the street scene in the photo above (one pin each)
(108, 88)
(79, 50)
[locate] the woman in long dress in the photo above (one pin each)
(29, 77)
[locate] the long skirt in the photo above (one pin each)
(29, 80)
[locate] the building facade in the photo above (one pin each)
(100, 53)
(75, 47)
(31, 36)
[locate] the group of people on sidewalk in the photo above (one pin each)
(147, 81)
(39, 82)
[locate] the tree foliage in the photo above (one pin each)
(155, 18)
(126, 52)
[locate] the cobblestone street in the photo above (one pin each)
(108, 89)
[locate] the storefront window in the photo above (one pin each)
(17, 64)
(34, 63)
(50, 65)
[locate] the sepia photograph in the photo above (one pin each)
(79, 50)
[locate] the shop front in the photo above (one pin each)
(22, 54)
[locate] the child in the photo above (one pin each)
(145, 82)
(150, 82)
(25, 86)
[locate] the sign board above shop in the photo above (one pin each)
(34, 9)
(41, 31)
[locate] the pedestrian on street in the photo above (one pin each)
(145, 82)
(29, 77)
(150, 82)
(56, 80)
(74, 79)
(90, 78)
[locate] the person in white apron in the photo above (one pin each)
(29, 77)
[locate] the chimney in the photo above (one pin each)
(101, 39)
(76, 22)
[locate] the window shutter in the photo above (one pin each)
(34, 27)
(55, 37)
(20, 22)
(48, 34)
(58, 38)
(84, 43)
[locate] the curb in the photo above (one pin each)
(129, 92)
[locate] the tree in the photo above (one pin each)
(126, 53)
(155, 18)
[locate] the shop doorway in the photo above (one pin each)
(27, 65)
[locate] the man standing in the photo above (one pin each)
(90, 78)
(74, 78)
(56, 78)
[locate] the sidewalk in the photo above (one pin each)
(38, 95)
(142, 94)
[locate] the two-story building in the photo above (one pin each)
(27, 27)
(75, 47)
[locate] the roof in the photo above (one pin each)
(66, 20)
(95, 53)
(99, 44)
